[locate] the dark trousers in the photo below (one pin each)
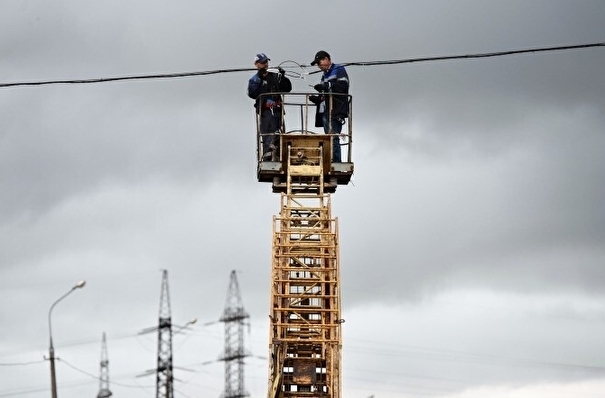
(270, 127)
(333, 128)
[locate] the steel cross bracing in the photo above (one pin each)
(305, 330)
(104, 391)
(164, 371)
(234, 317)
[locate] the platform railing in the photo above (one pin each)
(298, 114)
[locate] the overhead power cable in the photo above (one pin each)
(122, 78)
(473, 56)
(97, 378)
(22, 363)
(360, 63)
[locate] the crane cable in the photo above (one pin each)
(301, 75)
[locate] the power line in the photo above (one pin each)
(123, 78)
(474, 56)
(90, 375)
(23, 363)
(360, 63)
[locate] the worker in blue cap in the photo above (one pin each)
(268, 106)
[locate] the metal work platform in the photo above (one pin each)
(297, 111)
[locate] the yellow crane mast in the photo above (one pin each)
(305, 314)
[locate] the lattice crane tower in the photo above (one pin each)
(104, 391)
(305, 315)
(164, 370)
(234, 317)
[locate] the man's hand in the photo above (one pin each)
(262, 73)
(321, 87)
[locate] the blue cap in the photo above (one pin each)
(262, 58)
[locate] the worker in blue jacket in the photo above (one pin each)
(268, 107)
(335, 108)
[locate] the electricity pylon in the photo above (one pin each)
(234, 354)
(104, 391)
(164, 371)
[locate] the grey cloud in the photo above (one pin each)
(472, 175)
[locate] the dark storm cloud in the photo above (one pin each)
(473, 175)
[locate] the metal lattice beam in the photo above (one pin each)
(104, 391)
(164, 370)
(234, 317)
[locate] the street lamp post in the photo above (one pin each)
(51, 350)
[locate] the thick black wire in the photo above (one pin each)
(361, 63)
(472, 56)
(122, 78)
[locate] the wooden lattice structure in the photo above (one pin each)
(305, 339)
(305, 330)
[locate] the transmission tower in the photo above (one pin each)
(104, 391)
(233, 317)
(164, 375)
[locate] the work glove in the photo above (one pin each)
(281, 70)
(315, 99)
(321, 87)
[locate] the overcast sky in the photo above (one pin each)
(472, 236)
